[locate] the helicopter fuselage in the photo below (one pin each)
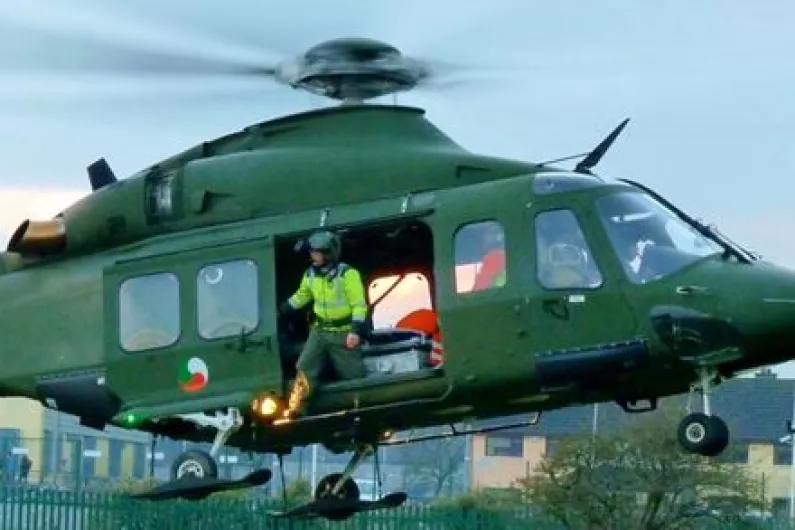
(160, 301)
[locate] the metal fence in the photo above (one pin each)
(33, 508)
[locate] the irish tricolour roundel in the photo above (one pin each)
(193, 375)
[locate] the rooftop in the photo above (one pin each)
(755, 408)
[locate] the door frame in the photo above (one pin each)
(601, 251)
(459, 207)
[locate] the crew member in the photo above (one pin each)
(339, 309)
(426, 321)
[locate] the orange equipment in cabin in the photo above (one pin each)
(425, 321)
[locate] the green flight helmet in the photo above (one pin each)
(326, 242)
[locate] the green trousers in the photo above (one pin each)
(323, 346)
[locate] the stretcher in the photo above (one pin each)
(395, 351)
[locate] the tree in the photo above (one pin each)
(637, 477)
(434, 462)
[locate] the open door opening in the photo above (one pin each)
(396, 263)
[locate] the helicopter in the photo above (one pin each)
(610, 292)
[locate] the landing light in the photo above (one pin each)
(266, 406)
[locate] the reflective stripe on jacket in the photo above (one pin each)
(336, 296)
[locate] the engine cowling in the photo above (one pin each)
(110, 216)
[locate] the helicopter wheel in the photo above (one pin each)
(703, 435)
(194, 465)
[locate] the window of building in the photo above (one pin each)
(90, 456)
(563, 257)
(149, 312)
(115, 457)
(49, 454)
(227, 299)
(480, 257)
(139, 459)
(509, 445)
(396, 296)
(782, 454)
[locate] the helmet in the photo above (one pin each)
(326, 242)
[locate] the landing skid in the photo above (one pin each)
(340, 509)
(196, 489)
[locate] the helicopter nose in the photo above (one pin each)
(764, 311)
(741, 315)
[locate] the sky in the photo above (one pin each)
(707, 85)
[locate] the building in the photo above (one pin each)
(62, 451)
(756, 409)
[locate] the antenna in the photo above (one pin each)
(599, 151)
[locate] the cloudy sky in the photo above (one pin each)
(708, 86)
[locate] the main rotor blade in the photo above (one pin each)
(74, 55)
(74, 43)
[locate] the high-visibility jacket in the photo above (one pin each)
(338, 296)
(425, 321)
(492, 271)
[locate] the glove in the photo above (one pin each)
(285, 308)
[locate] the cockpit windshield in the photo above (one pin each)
(651, 241)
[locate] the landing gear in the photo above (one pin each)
(194, 474)
(337, 495)
(201, 464)
(700, 432)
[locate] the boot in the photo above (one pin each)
(298, 395)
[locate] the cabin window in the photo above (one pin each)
(506, 445)
(227, 299)
(479, 257)
(650, 240)
(149, 312)
(563, 257)
(396, 296)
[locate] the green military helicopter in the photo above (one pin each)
(152, 302)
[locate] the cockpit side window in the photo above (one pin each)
(149, 312)
(227, 299)
(651, 241)
(563, 257)
(480, 257)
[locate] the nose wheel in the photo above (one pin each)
(702, 433)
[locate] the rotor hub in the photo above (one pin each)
(355, 70)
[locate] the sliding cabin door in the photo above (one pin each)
(193, 325)
(478, 235)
